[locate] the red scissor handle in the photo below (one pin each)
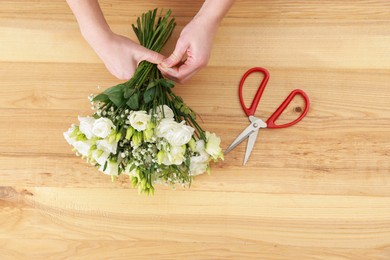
(250, 111)
(271, 120)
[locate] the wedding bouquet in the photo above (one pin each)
(141, 128)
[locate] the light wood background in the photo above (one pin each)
(318, 190)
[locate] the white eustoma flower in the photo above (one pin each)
(102, 127)
(139, 120)
(197, 168)
(67, 135)
(82, 147)
(174, 156)
(100, 157)
(177, 134)
(164, 112)
(199, 163)
(86, 124)
(212, 146)
(106, 146)
(111, 169)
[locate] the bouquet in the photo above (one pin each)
(141, 128)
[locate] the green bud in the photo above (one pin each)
(118, 137)
(160, 157)
(129, 132)
(112, 136)
(148, 134)
(135, 139)
(150, 125)
(134, 181)
(191, 144)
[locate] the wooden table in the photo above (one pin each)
(318, 190)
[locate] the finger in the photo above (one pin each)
(151, 56)
(179, 74)
(176, 56)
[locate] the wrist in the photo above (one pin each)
(214, 11)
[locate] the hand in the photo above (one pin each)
(194, 45)
(122, 56)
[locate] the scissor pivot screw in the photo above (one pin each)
(255, 125)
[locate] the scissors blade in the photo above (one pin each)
(253, 127)
(244, 134)
(249, 146)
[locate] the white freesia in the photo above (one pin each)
(82, 147)
(86, 124)
(102, 127)
(106, 146)
(213, 146)
(139, 120)
(177, 134)
(100, 157)
(67, 135)
(111, 169)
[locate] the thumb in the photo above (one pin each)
(152, 57)
(175, 57)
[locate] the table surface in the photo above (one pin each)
(317, 190)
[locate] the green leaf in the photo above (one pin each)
(101, 97)
(149, 95)
(116, 96)
(133, 101)
(167, 83)
(151, 84)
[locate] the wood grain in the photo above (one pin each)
(318, 190)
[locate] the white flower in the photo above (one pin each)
(212, 146)
(199, 163)
(100, 157)
(175, 133)
(111, 169)
(139, 120)
(86, 124)
(164, 112)
(106, 146)
(174, 156)
(197, 168)
(67, 135)
(82, 147)
(102, 127)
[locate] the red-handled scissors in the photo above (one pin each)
(256, 123)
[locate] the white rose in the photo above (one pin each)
(67, 135)
(86, 124)
(164, 112)
(100, 159)
(111, 169)
(106, 146)
(212, 146)
(82, 147)
(102, 127)
(139, 120)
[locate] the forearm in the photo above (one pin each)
(215, 10)
(92, 23)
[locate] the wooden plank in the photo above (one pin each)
(318, 190)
